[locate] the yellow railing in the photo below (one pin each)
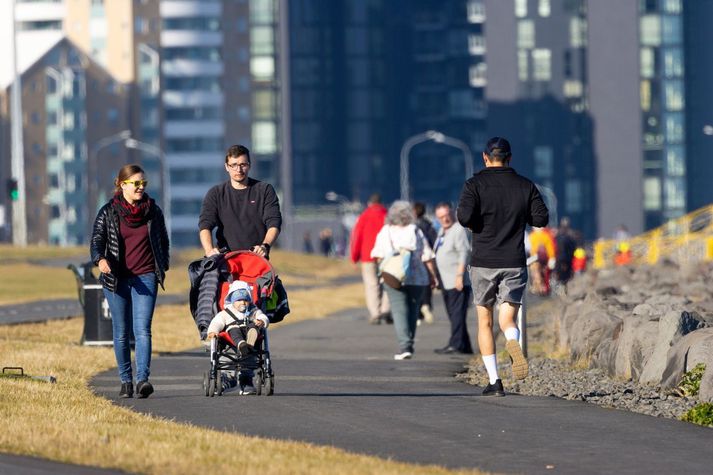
(685, 239)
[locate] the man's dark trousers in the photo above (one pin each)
(457, 308)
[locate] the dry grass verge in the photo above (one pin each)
(66, 422)
(33, 281)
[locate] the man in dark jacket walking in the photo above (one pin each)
(496, 204)
(246, 213)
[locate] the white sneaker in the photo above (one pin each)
(427, 314)
(406, 355)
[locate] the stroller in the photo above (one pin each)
(258, 273)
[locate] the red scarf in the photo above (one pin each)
(133, 215)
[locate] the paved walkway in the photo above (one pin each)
(337, 384)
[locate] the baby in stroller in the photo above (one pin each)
(240, 319)
(233, 299)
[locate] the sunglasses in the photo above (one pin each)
(137, 183)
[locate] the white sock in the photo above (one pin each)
(491, 364)
(512, 334)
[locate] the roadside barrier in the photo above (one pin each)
(687, 239)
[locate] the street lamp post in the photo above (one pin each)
(165, 180)
(19, 210)
(551, 200)
(437, 137)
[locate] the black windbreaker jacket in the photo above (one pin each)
(496, 204)
(105, 243)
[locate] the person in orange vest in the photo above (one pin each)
(579, 261)
(623, 254)
(543, 251)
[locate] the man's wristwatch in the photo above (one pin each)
(266, 246)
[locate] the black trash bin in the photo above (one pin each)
(97, 317)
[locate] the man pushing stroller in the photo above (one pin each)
(242, 320)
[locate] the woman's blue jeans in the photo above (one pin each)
(405, 307)
(132, 308)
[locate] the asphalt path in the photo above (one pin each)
(337, 384)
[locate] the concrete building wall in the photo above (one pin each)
(616, 111)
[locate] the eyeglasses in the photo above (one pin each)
(235, 166)
(137, 183)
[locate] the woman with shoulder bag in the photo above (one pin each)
(130, 246)
(400, 244)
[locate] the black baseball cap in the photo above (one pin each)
(498, 147)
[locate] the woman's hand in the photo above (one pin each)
(259, 323)
(104, 266)
(459, 282)
(212, 335)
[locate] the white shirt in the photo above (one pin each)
(392, 238)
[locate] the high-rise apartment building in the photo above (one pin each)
(537, 98)
(68, 102)
(627, 145)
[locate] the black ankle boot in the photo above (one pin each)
(127, 390)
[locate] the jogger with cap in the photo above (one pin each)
(496, 204)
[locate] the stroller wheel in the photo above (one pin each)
(219, 383)
(206, 383)
(269, 389)
(258, 381)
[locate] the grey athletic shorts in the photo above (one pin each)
(503, 285)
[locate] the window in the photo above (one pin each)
(478, 75)
(573, 88)
(650, 30)
(672, 30)
(543, 161)
(194, 144)
(647, 63)
(264, 137)
(521, 8)
(577, 32)
(675, 193)
(645, 93)
(672, 6)
(674, 127)
(262, 68)
(141, 25)
(525, 34)
(262, 11)
(68, 120)
(202, 83)
(192, 23)
(262, 40)
(192, 52)
(522, 65)
(194, 113)
(476, 44)
(673, 95)
(573, 195)
(544, 8)
(673, 62)
(675, 161)
(541, 64)
(476, 11)
(652, 193)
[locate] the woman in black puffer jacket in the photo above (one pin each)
(130, 246)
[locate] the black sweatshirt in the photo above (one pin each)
(241, 216)
(496, 204)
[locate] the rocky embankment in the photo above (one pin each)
(629, 335)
